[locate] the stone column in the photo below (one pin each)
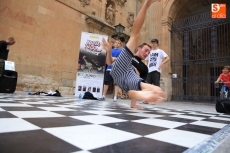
(166, 77)
(103, 9)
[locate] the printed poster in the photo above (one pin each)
(91, 65)
(9, 65)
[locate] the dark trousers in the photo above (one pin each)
(154, 78)
(2, 66)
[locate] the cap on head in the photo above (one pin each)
(155, 40)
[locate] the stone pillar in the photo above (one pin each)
(166, 78)
(103, 8)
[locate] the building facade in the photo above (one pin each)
(48, 36)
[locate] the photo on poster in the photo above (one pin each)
(94, 89)
(84, 88)
(79, 88)
(92, 56)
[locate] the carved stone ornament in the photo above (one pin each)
(110, 15)
(85, 2)
(130, 20)
(120, 2)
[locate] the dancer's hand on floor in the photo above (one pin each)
(137, 107)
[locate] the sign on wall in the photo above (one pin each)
(91, 64)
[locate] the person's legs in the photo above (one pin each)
(228, 90)
(105, 89)
(108, 78)
(156, 78)
(149, 78)
(116, 89)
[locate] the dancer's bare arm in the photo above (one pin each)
(138, 22)
(108, 48)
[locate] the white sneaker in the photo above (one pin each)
(102, 98)
(115, 99)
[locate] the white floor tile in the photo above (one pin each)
(179, 137)
(188, 117)
(9, 100)
(69, 106)
(35, 103)
(34, 114)
(102, 112)
(104, 109)
(1, 110)
(145, 115)
(56, 109)
(209, 124)
(168, 112)
(160, 123)
(14, 105)
(15, 124)
(83, 151)
(220, 118)
(46, 101)
(157, 108)
(89, 137)
(98, 119)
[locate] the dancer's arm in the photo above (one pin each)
(138, 22)
(108, 48)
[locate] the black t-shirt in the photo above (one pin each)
(3, 50)
(140, 66)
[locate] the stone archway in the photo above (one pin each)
(176, 10)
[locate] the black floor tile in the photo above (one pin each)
(217, 121)
(225, 116)
(42, 105)
(176, 119)
(160, 113)
(127, 117)
(198, 129)
(137, 128)
(55, 122)
(197, 115)
(141, 145)
(4, 114)
(35, 141)
(73, 113)
(22, 109)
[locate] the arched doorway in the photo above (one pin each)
(200, 48)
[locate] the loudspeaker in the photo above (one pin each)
(8, 81)
(223, 106)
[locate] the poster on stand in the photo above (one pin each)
(91, 65)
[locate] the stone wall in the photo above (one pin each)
(48, 33)
(47, 40)
(48, 36)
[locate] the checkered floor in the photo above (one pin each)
(42, 124)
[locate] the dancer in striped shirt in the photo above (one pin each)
(123, 72)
